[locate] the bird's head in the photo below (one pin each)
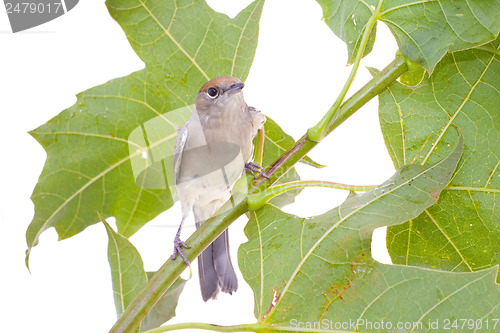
(220, 95)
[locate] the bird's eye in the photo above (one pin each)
(212, 92)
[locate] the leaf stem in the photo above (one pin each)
(257, 200)
(209, 327)
(259, 145)
(319, 131)
(257, 327)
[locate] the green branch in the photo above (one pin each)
(211, 229)
(257, 200)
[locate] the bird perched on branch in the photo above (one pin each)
(211, 152)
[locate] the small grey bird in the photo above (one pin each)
(211, 152)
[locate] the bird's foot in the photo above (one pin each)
(255, 168)
(178, 245)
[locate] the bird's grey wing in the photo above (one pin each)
(180, 142)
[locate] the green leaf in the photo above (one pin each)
(461, 232)
(322, 270)
(128, 277)
(424, 30)
(88, 165)
(127, 269)
(164, 310)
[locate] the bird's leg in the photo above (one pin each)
(255, 168)
(179, 244)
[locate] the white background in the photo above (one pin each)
(298, 70)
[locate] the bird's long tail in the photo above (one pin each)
(215, 268)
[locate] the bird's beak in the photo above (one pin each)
(235, 88)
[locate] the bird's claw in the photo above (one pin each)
(178, 245)
(255, 168)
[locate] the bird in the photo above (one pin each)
(212, 150)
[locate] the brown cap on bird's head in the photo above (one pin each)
(218, 92)
(220, 85)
